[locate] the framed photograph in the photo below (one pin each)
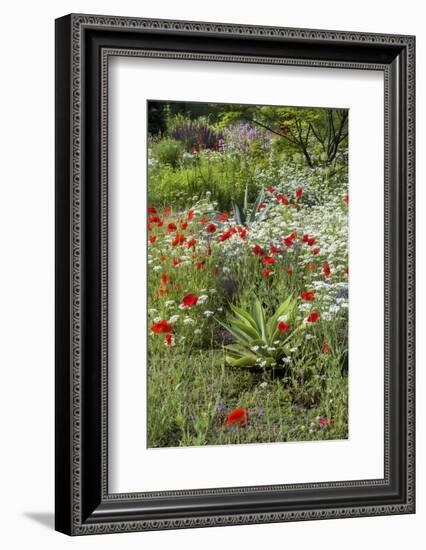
(234, 274)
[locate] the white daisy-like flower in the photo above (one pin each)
(152, 311)
(157, 268)
(202, 298)
(169, 303)
(173, 319)
(208, 313)
(157, 319)
(254, 348)
(188, 321)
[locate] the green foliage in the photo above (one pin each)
(259, 341)
(226, 179)
(157, 117)
(168, 152)
(320, 135)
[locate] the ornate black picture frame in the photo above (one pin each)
(84, 44)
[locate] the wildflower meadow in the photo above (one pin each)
(247, 274)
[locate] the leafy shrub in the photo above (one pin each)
(168, 151)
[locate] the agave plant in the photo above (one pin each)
(246, 215)
(260, 341)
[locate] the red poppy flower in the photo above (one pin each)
(227, 234)
(201, 265)
(313, 317)
(202, 145)
(266, 272)
(243, 234)
(315, 251)
(275, 250)
(258, 250)
(324, 422)
(211, 228)
(288, 241)
(191, 243)
(295, 205)
(326, 269)
(346, 270)
(164, 278)
(189, 300)
(152, 210)
(289, 270)
(179, 239)
(152, 239)
(237, 416)
(167, 212)
(325, 347)
(176, 261)
(284, 201)
(154, 219)
(171, 227)
(311, 241)
(162, 326)
(346, 199)
(283, 327)
(269, 260)
(223, 217)
(308, 296)
(262, 205)
(311, 266)
(193, 150)
(184, 225)
(305, 238)
(299, 192)
(160, 223)
(271, 189)
(279, 197)
(204, 220)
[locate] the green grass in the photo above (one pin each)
(190, 394)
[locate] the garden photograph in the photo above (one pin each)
(247, 274)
